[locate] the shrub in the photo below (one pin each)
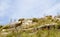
(35, 20)
(1, 26)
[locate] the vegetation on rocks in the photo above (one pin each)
(47, 26)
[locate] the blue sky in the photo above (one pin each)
(14, 9)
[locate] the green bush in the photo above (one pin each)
(35, 20)
(1, 26)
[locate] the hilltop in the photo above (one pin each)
(31, 25)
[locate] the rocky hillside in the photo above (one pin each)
(34, 22)
(31, 25)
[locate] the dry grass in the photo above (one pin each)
(39, 33)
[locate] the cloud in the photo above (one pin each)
(4, 6)
(31, 8)
(53, 10)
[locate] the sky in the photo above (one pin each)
(15, 9)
